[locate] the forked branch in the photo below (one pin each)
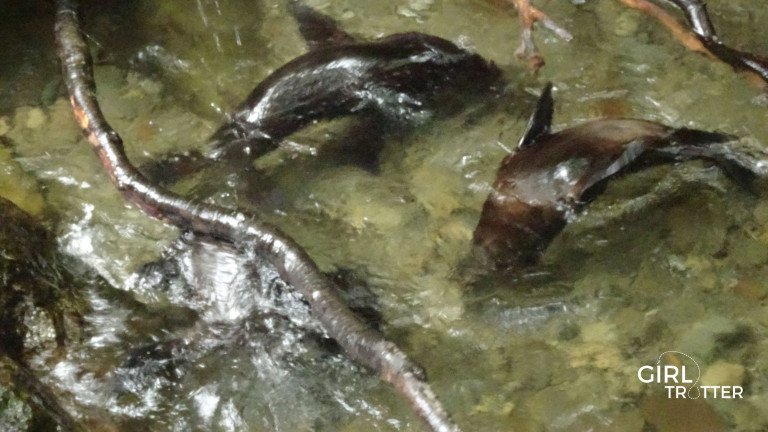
(359, 342)
(700, 36)
(529, 15)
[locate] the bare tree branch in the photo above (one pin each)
(529, 15)
(361, 343)
(700, 37)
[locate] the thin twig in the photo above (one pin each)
(678, 30)
(529, 15)
(360, 342)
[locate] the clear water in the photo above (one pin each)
(671, 258)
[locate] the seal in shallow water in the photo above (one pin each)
(403, 77)
(388, 84)
(552, 175)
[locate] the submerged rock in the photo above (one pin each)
(16, 185)
(680, 415)
(29, 276)
(723, 374)
(34, 283)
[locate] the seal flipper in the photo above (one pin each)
(318, 30)
(541, 120)
(697, 138)
(679, 145)
(741, 162)
(633, 151)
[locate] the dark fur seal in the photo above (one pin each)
(552, 175)
(402, 77)
(388, 84)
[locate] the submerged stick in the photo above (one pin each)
(359, 342)
(529, 15)
(756, 66)
(701, 37)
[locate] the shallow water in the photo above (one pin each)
(671, 258)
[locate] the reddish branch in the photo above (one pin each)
(701, 37)
(360, 342)
(529, 15)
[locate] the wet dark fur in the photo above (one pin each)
(403, 77)
(553, 175)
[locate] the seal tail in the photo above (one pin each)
(741, 161)
(695, 137)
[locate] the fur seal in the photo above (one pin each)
(389, 84)
(553, 175)
(404, 77)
